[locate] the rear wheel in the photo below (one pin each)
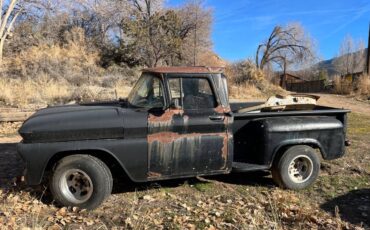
(81, 181)
(297, 168)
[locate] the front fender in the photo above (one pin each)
(38, 155)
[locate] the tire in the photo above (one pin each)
(81, 181)
(297, 168)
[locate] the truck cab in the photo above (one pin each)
(189, 121)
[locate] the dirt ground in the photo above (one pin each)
(345, 102)
(340, 199)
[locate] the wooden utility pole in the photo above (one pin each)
(368, 54)
(195, 37)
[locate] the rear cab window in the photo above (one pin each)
(192, 92)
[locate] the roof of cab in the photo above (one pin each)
(184, 69)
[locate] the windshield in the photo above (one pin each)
(147, 93)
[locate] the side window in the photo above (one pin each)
(205, 88)
(193, 93)
(175, 90)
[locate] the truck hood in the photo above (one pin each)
(74, 122)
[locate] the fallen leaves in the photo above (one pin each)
(182, 207)
(21, 210)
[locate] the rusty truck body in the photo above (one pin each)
(177, 122)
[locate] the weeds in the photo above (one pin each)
(45, 91)
(203, 187)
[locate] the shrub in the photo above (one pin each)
(363, 86)
(342, 86)
(247, 81)
(71, 61)
(246, 71)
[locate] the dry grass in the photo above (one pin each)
(72, 61)
(359, 88)
(363, 86)
(56, 74)
(45, 91)
(342, 86)
(246, 81)
(248, 91)
(245, 91)
(40, 92)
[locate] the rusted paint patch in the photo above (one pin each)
(185, 69)
(173, 153)
(154, 175)
(163, 137)
(162, 122)
(177, 152)
(221, 109)
(225, 146)
(169, 137)
(166, 116)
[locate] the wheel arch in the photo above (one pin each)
(283, 146)
(114, 165)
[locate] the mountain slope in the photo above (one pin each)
(330, 67)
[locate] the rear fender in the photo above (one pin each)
(306, 141)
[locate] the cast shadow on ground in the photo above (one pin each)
(123, 185)
(353, 207)
(11, 164)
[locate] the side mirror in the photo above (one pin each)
(175, 104)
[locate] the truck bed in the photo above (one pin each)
(252, 130)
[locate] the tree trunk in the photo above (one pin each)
(368, 55)
(2, 40)
(283, 78)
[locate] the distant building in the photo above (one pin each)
(287, 78)
(294, 83)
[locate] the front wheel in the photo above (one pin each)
(297, 168)
(81, 181)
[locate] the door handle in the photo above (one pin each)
(217, 117)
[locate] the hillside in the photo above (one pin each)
(329, 65)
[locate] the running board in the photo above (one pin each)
(246, 167)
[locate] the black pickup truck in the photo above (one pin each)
(177, 122)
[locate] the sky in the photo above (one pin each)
(240, 25)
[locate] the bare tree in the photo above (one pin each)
(351, 57)
(285, 46)
(99, 17)
(199, 40)
(7, 19)
(155, 35)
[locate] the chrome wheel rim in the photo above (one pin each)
(300, 169)
(76, 186)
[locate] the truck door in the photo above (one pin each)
(191, 136)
